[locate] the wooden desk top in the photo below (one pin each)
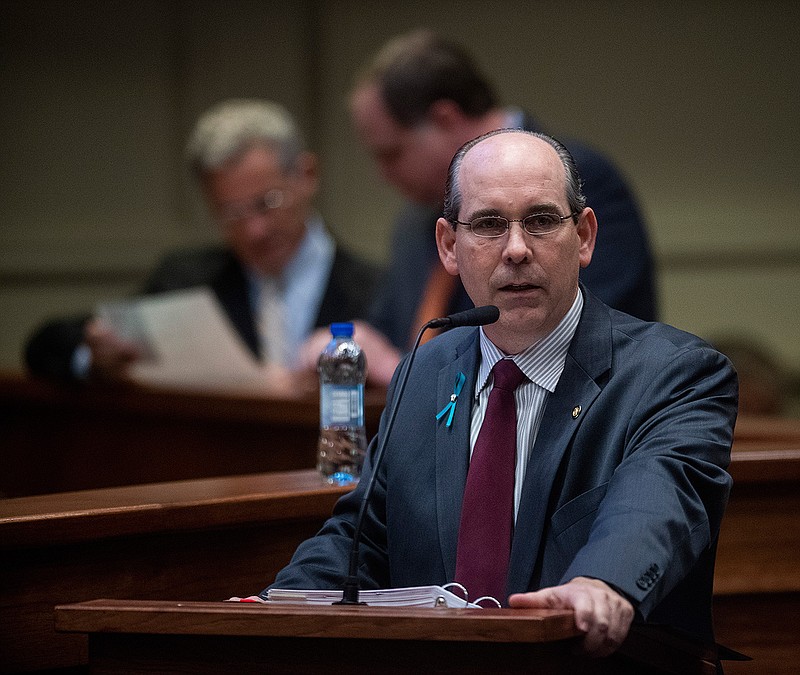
(203, 539)
(228, 404)
(475, 637)
(389, 623)
(762, 433)
(162, 507)
(765, 465)
(200, 503)
(212, 502)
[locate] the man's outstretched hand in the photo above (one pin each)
(600, 612)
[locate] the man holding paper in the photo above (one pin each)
(278, 274)
(582, 460)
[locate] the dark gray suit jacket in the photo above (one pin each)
(630, 490)
(348, 296)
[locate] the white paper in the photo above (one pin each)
(414, 596)
(187, 341)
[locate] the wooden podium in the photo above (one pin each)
(199, 637)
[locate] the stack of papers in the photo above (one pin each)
(187, 341)
(416, 596)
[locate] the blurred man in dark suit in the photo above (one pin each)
(413, 106)
(277, 275)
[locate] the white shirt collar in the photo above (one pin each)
(543, 361)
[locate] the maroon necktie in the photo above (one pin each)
(487, 515)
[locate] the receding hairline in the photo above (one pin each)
(572, 181)
(514, 134)
(388, 55)
(414, 70)
(502, 133)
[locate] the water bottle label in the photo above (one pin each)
(342, 405)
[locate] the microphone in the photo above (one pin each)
(478, 316)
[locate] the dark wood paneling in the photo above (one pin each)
(58, 438)
(195, 540)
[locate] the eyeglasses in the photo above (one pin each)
(537, 224)
(238, 212)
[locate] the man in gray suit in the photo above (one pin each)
(623, 427)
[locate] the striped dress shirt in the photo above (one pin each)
(542, 363)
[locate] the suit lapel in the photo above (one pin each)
(452, 446)
(589, 357)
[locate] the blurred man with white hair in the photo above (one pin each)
(278, 273)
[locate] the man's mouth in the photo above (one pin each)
(515, 288)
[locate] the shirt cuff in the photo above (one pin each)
(81, 362)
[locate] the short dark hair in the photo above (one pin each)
(576, 200)
(419, 68)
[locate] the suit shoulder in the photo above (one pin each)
(361, 271)
(661, 337)
(350, 288)
(588, 158)
(189, 267)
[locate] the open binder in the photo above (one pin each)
(416, 596)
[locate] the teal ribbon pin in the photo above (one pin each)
(451, 405)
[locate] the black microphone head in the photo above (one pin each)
(477, 316)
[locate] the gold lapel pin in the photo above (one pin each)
(576, 411)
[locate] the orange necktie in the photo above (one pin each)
(435, 301)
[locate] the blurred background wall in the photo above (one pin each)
(696, 102)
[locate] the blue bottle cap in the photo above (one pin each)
(342, 329)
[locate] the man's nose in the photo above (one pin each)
(517, 248)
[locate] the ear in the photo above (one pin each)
(446, 243)
(587, 233)
(445, 114)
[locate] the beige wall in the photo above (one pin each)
(695, 101)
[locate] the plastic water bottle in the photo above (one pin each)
(342, 369)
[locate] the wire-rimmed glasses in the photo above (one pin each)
(536, 224)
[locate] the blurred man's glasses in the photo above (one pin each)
(238, 212)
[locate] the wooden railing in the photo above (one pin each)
(60, 438)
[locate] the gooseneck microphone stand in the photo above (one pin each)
(477, 316)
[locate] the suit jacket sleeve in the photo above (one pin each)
(350, 290)
(322, 562)
(660, 512)
(49, 350)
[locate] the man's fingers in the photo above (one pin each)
(543, 599)
(607, 623)
(600, 612)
